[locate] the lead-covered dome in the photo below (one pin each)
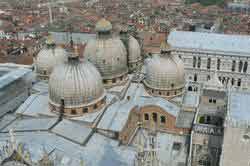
(134, 52)
(77, 85)
(164, 75)
(133, 49)
(108, 54)
(47, 58)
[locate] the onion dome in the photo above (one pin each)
(109, 56)
(76, 87)
(48, 57)
(164, 75)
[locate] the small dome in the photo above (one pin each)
(110, 58)
(103, 25)
(165, 75)
(49, 57)
(79, 84)
(134, 50)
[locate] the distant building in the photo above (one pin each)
(204, 53)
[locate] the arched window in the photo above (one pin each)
(245, 67)
(208, 77)
(163, 119)
(232, 81)
(194, 62)
(208, 63)
(239, 82)
(195, 77)
(190, 88)
(146, 117)
(154, 116)
(233, 65)
(218, 64)
(240, 66)
(199, 62)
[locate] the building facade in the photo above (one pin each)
(203, 53)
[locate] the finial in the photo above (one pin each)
(165, 47)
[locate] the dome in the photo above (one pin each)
(49, 57)
(103, 25)
(134, 51)
(109, 55)
(79, 85)
(164, 75)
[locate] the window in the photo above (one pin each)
(195, 77)
(154, 117)
(208, 63)
(208, 77)
(210, 100)
(146, 117)
(190, 88)
(73, 112)
(194, 62)
(233, 65)
(167, 93)
(105, 81)
(240, 66)
(245, 67)
(199, 62)
(239, 82)
(232, 81)
(159, 92)
(95, 106)
(214, 101)
(163, 119)
(172, 85)
(177, 146)
(85, 110)
(113, 80)
(204, 161)
(218, 64)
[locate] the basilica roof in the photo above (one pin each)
(164, 72)
(78, 83)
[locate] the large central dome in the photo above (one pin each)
(77, 85)
(108, 54)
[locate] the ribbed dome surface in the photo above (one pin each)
(134, 50)
(164, 72)
(108, 55)
(48, 58)
(78, 83)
